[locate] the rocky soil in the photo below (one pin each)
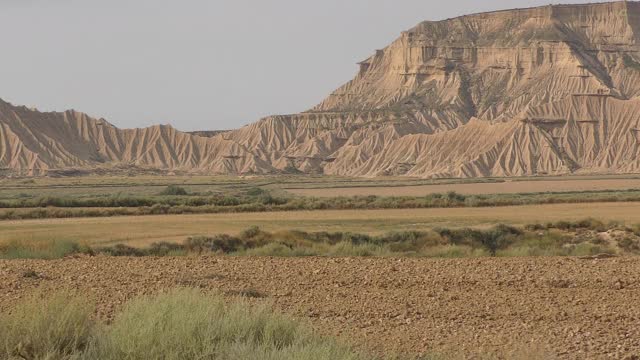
(565, 308)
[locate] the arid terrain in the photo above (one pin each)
(472, 193)
(545, 308)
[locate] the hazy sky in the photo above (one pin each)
(198, 64)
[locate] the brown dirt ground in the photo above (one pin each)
(508, 187)
(567, 307)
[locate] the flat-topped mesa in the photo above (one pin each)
(439, 75)
(599, 23)
(547, 90)
(610, 23)
(511, 43)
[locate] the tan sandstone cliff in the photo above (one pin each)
(548, 90)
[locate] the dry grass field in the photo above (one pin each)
(507, 187)
(144, 230)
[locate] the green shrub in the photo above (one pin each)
(174, 190)
(535, 227)
(224, 243)
(251, 232)
(409, 241)
(121, 250)
(256, 191)
(455, 197)
(355, 250)
(159, 209)
(271, 200)
(357, 239)
(500, 237)
(48, 327)
(218, 243)
(589, 224)
(196, 244)
(629, 245)
(166, 249)
(273, 249)
(156, 249)
(497, 238)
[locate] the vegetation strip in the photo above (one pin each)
(177, 200)
(581, 238)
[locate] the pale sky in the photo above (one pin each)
(198, 64)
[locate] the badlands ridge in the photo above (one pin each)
(548, 90)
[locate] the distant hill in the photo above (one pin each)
(547, 90)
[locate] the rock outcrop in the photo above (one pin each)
(548, 90)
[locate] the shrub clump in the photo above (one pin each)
(497, 238)
(156, 249)
(174, 190)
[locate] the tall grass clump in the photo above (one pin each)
(188, 324)
(51, 328)
(180, 324)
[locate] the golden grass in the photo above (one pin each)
(144, 230)
(508, 187)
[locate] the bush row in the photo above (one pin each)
(52, 207)
(559, 239)
(563, 238)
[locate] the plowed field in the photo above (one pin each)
(564, 307)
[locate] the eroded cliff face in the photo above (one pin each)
(32, 143)
(549, 90)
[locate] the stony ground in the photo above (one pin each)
(550, 307)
